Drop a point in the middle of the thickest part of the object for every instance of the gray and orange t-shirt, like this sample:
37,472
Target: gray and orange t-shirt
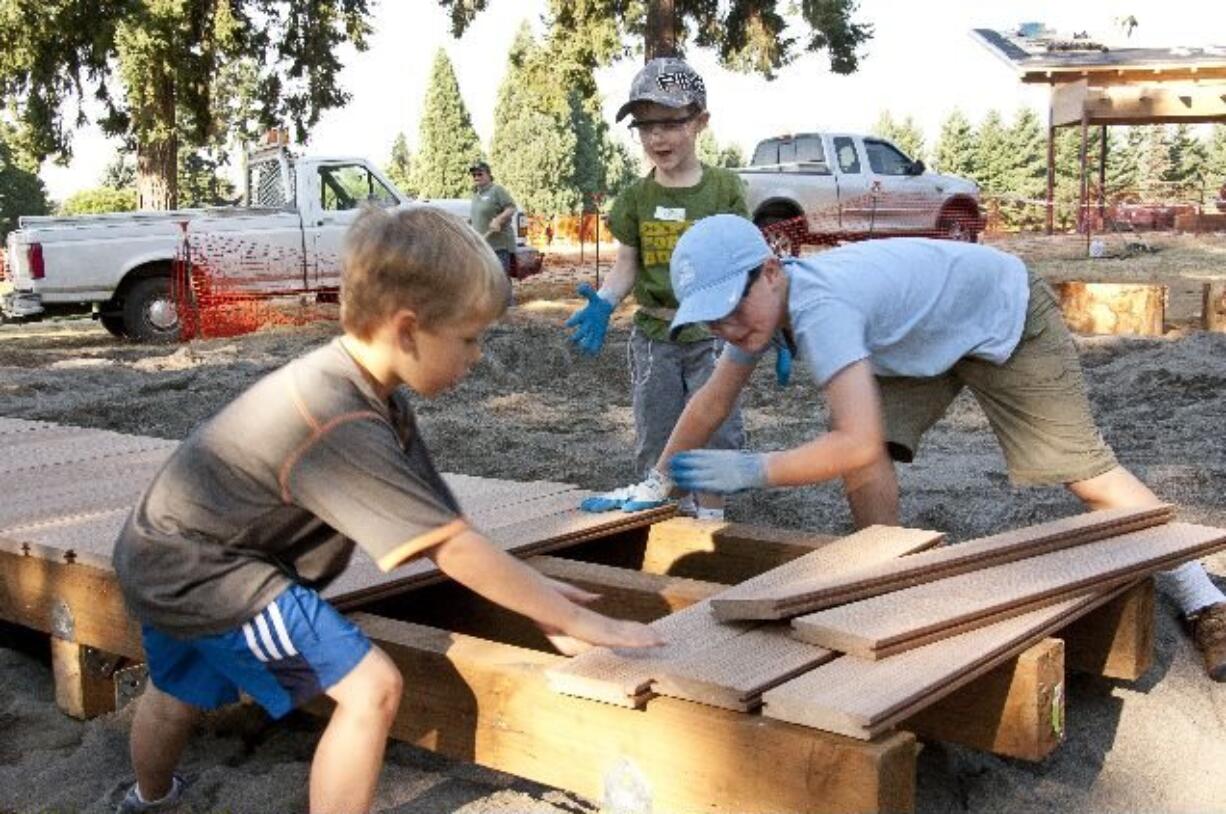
651,218
276,488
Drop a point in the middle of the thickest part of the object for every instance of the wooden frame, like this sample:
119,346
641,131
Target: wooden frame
476,691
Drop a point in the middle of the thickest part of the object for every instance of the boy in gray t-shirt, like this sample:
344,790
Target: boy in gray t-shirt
892,331
260,508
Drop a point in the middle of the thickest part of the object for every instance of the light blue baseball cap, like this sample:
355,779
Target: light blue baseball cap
710,267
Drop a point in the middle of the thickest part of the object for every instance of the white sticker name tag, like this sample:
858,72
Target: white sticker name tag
667,213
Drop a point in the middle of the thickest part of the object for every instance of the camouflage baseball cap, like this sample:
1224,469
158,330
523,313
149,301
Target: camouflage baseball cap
666,81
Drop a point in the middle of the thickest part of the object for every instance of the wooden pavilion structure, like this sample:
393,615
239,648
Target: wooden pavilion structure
1092,85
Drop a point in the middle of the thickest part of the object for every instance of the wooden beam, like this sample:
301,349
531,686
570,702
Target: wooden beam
1213,302
488,703
84,683
1116,640
76,602
1016,710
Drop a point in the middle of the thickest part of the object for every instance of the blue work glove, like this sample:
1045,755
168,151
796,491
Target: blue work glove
720,471
591,322
783,364
649,493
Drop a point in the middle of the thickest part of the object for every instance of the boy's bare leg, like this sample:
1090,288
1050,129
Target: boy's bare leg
347,761
1116,488
872,493
159,734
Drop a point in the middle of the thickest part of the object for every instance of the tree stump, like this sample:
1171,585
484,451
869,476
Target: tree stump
1113,308
1213,310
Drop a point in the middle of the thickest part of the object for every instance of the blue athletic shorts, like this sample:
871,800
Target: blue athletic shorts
291,652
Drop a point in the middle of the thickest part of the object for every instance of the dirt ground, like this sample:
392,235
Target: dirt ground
534,410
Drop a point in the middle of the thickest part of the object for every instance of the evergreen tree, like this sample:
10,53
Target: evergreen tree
201,181
21,190
1068,172
1123,164
447,144
120,173
992,159
906,134
955,150
1154,164
1188,157
1215,156
400,168
1027,170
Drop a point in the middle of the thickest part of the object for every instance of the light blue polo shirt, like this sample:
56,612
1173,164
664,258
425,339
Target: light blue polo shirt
910,306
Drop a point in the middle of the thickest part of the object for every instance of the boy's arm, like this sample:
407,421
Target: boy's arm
470,559
856,437
592,321
707,409
621,278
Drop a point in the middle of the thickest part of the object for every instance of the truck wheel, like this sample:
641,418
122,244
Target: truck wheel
149,312
114,325
779,240
958,225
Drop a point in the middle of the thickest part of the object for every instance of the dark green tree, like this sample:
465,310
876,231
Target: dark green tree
202,181
955,150
906,134
992,159
158,68
1027,172
1215,156
1154,163
1123,163
1188,158
400,168
748,35
21,190
447,144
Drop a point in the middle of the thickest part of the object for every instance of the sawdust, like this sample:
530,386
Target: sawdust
534,410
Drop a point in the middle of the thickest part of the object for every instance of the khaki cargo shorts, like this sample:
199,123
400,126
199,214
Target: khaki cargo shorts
1035,402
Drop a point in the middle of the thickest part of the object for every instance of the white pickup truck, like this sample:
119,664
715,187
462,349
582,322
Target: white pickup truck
286,239
849,186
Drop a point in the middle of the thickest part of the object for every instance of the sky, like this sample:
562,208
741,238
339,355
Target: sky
921,61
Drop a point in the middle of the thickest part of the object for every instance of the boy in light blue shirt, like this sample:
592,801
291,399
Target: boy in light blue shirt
892,331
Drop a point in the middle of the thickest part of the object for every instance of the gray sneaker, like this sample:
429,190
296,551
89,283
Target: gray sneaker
132,804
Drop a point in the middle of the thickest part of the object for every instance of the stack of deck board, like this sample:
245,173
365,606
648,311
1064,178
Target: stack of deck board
870,629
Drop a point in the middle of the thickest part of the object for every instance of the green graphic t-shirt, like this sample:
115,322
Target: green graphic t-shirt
651,218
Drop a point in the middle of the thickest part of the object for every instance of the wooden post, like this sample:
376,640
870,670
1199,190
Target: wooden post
1213,307
1113,308
84,687
1116,640
1051,170
1016,710
489,703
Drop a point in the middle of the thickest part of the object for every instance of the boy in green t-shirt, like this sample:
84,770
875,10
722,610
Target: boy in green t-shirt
668,108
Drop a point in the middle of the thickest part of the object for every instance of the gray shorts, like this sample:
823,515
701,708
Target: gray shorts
1035,402
663,376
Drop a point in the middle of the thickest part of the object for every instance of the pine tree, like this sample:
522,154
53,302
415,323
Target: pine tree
1068,172
1026,176
1154,163
992,158
1187,171
955,150
399,167
447,143
1215,156
1123,165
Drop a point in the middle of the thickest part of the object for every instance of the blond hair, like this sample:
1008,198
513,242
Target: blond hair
420,258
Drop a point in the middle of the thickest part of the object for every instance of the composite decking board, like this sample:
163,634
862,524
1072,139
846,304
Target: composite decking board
826,590
897,621
70,450
623,676
862,698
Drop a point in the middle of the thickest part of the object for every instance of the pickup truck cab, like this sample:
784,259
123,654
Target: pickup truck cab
285,240
849,186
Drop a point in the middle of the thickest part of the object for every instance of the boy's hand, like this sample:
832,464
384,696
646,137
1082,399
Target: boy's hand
600,631
591,323
719,471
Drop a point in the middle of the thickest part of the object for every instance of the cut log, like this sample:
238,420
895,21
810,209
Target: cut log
1213,308
1116,640
84,682
1113,308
